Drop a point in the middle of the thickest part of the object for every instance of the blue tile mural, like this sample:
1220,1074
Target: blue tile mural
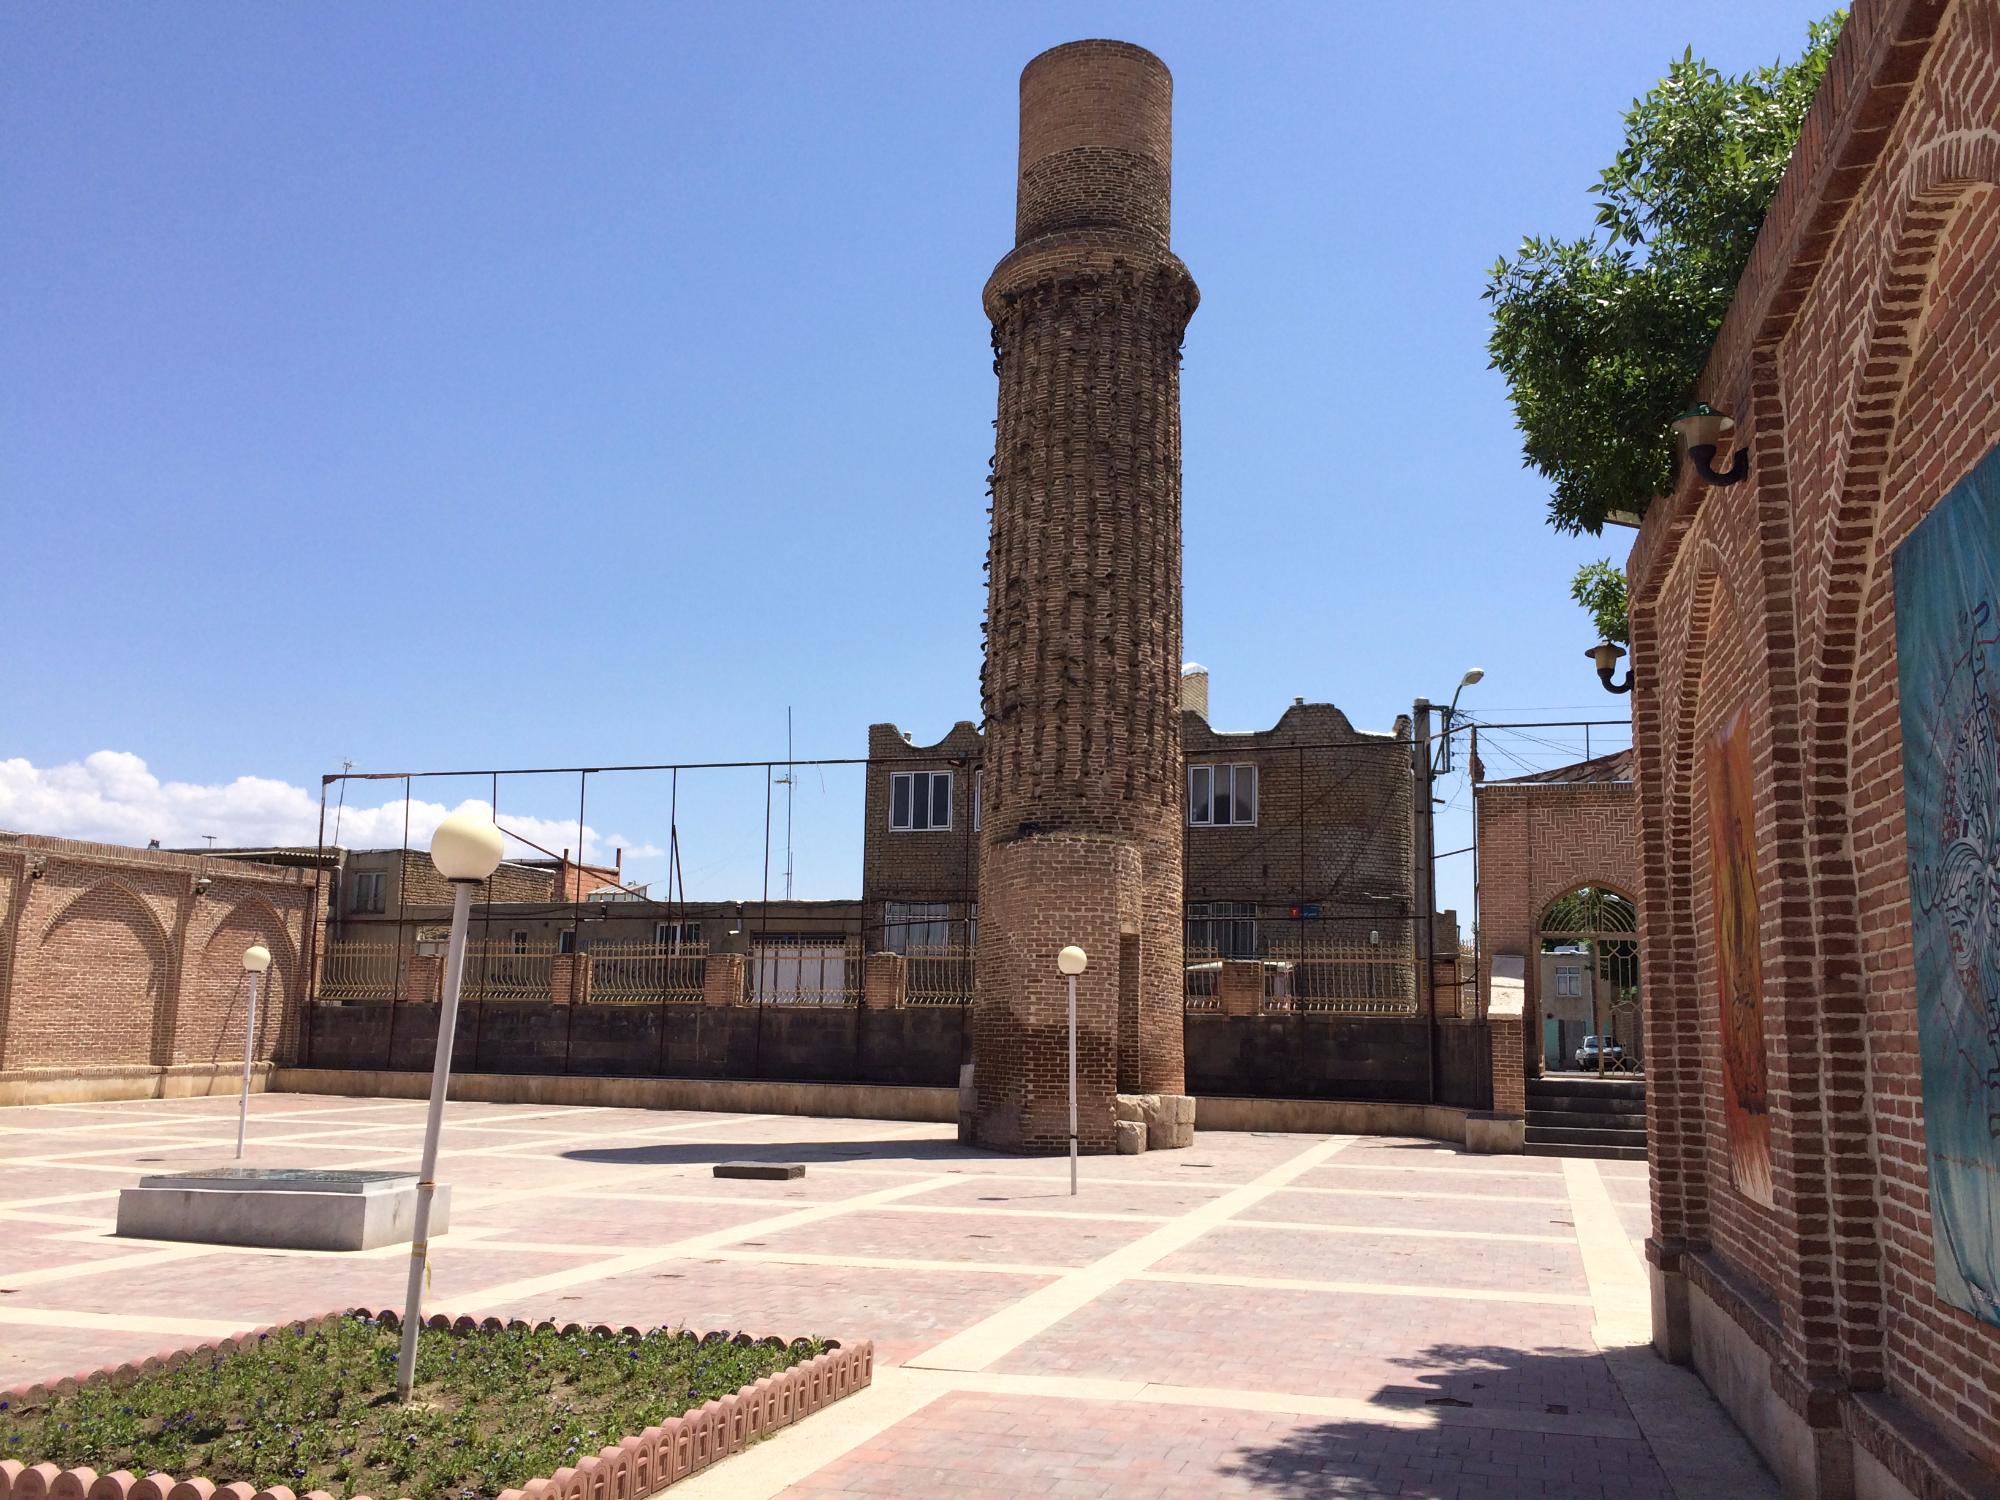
1947,575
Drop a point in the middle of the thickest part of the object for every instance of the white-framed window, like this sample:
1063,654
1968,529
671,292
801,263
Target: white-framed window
978,796
919,801
1569,980
565,941
1225,928
676,934
1222,795
915,924
371,891
518,940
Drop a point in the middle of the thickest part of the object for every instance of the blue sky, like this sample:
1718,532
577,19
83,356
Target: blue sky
521,384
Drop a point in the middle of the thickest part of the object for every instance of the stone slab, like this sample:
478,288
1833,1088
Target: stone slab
761,1171
1131,1137
334,1211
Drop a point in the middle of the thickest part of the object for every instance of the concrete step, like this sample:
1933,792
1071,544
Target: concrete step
1586,1107
1600,1153
1567,1119
1553,1136
1587,1086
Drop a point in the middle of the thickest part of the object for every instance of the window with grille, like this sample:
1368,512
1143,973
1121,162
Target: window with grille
676,934
1219,796
915,924
919,800
1227,929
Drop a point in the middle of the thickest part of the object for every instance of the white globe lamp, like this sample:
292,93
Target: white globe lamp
466,846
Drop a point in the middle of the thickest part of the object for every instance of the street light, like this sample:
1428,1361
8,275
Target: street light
1472,675
256,959
1607,654
1071,962
466,850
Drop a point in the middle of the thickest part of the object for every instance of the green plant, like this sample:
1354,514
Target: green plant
1602,339
1600,588
315,1408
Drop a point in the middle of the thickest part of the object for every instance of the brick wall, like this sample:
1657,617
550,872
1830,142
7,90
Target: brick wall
1334,825
924,865
1863,358
120,962
1538,841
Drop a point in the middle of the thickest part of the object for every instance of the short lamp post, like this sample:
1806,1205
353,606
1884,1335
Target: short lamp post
1071,962
466,850
256,959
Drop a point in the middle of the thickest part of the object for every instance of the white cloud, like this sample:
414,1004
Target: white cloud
111,797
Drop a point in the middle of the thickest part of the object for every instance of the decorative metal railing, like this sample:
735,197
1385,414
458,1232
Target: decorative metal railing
938,975
809,972
362,971
1346,978
647,973
497,970
1204,979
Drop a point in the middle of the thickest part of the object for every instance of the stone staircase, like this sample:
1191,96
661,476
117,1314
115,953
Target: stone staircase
1578,1114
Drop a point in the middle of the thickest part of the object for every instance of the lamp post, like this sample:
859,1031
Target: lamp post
1472,675
256,959
466,850
1071,962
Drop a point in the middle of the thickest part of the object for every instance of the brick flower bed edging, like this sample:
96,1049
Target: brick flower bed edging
640,1465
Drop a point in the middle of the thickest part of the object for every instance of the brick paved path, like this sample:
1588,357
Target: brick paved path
1276,1315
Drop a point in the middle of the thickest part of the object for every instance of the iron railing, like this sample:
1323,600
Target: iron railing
938,975
647,973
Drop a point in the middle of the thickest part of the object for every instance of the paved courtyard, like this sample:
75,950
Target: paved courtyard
1276,1315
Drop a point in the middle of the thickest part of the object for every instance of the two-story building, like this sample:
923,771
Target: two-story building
1301,838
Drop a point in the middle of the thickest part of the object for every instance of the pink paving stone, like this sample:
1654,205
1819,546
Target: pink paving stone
1394,1211
904,1312
1489,1265
964,1445
1094,1196
1403,1349
959,1237
1453,1183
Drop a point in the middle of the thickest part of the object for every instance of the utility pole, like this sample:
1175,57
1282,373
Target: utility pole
1424,869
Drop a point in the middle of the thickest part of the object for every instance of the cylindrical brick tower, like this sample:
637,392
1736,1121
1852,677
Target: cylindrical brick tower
1081,831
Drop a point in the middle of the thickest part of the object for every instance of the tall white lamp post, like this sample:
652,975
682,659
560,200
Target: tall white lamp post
1071,962
256,959
466,849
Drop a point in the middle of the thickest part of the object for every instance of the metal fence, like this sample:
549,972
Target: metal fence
362,971
939,976
495,969
647,973
1351,978
804,971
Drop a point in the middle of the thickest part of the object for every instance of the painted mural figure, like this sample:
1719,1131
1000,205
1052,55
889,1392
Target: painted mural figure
1947,576
1732,853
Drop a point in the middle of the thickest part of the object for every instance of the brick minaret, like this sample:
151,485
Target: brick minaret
1081,838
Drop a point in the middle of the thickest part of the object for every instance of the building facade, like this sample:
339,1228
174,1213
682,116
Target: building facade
1814,659
1558,885
1300,846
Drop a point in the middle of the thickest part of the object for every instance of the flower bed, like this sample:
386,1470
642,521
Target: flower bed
524,1412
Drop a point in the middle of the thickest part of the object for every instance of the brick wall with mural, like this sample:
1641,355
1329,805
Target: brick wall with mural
121,970
1798,1101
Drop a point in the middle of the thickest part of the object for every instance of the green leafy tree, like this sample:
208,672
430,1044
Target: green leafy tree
1602,339
1600,588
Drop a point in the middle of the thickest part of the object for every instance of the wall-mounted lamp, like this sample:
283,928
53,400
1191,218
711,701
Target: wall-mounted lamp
1701,431
1606,655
